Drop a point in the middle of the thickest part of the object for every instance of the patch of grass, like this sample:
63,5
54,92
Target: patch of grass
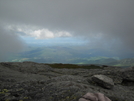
74,66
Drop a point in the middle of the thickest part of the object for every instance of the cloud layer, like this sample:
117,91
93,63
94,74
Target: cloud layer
105,23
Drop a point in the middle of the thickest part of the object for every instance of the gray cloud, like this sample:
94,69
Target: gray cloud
10,44
88,18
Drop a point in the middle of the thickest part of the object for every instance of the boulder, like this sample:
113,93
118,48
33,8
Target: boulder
103,81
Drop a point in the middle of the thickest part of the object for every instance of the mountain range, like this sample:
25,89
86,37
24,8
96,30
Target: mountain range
72,55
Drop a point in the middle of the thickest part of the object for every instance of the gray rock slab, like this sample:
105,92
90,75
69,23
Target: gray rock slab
103,81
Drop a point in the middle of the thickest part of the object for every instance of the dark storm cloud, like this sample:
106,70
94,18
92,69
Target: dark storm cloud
107,23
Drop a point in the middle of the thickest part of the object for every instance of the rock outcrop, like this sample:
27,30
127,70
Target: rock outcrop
31,81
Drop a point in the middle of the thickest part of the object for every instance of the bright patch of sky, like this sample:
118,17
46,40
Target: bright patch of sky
54,41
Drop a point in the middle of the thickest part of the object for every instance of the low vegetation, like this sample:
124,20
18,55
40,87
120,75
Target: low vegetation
74,66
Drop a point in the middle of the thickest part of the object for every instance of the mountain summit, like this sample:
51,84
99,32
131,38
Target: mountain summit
30,81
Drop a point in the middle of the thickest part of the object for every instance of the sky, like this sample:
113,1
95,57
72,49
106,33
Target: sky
104,24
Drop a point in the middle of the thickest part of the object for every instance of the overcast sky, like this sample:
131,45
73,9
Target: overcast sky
107,24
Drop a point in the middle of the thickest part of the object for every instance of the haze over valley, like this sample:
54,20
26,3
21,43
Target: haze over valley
75,32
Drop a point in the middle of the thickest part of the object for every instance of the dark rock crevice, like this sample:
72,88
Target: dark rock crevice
126,82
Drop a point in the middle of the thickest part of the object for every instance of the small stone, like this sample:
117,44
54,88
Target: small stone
103,81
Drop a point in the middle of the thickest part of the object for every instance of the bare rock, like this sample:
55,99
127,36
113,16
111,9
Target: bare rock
103,81
29,81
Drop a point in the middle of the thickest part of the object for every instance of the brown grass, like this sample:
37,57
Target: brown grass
74,66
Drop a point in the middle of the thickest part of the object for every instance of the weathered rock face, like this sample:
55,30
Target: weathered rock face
103,81
30,81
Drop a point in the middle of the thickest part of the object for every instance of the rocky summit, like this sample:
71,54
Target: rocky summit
29,81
